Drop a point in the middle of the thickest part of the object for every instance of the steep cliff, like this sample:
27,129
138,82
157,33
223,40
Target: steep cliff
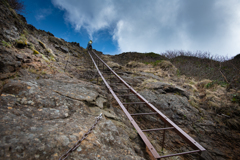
50,98
48,102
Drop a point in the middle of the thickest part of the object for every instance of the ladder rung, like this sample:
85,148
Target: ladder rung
138,114
134,103
157,129
121,89
177,154
171,125
124,95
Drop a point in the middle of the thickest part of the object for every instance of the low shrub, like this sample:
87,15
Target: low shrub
18,5
211,84
202,65
152,54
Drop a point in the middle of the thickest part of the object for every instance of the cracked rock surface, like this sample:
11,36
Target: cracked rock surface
42,119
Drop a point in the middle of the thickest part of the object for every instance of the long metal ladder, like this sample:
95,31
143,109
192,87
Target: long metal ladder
168,124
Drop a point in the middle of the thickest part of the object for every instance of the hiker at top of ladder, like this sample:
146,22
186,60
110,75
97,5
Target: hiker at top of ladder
89,46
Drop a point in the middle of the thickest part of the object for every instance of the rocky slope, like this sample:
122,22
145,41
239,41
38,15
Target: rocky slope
44,109
50,98
205,113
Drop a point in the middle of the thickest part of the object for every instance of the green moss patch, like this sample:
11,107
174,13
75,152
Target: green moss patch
31,46
51,58
42,44
21,42
35,52
45,58
6,44
236,98
155,63
50,52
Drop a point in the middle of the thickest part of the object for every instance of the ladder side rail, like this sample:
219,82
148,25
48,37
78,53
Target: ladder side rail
142,135
179,131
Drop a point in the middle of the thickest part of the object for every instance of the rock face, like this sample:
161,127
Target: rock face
163,88
42,119
49,100
45,110
8,62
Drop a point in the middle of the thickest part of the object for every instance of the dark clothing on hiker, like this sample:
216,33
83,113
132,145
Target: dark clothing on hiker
89,46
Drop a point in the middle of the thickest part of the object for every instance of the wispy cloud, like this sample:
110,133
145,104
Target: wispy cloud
43,13
160,25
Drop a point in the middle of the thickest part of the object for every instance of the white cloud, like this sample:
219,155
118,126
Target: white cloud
43,13
90,15
160,25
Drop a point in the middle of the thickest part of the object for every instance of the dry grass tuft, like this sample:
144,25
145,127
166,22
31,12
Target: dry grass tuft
114,65
203,83
134,64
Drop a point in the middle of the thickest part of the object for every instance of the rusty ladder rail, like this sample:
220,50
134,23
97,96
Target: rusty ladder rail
172,126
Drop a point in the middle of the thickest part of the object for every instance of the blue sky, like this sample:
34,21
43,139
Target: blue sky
142,26
43,15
